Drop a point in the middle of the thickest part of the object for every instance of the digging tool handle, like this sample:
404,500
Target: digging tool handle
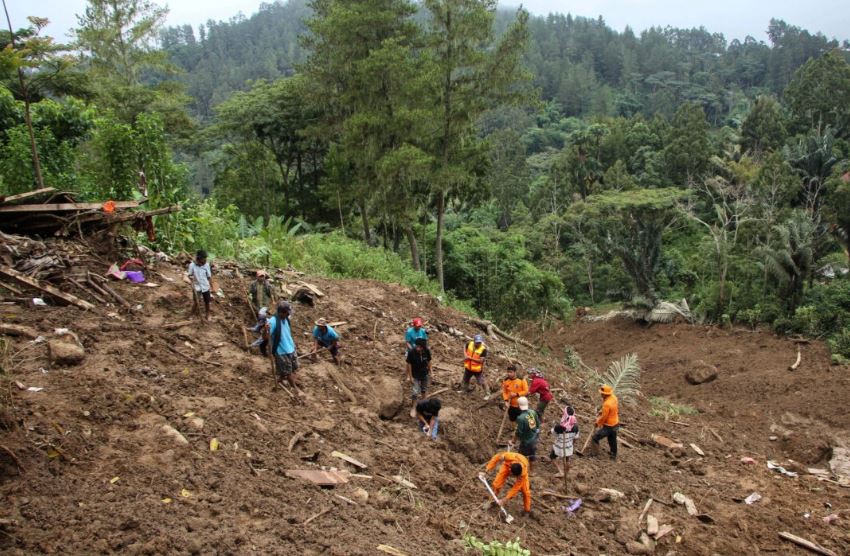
502,426
505,513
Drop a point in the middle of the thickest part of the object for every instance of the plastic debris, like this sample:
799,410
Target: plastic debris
573,507
778,468
39,302
752,498
35,389
166,500
830,518
214,444
114,480
185,493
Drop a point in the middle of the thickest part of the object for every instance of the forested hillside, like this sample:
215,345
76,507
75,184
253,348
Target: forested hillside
524,164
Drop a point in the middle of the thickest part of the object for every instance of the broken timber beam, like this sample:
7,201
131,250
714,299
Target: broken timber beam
12,274
490,327
67,207
28,195
800,541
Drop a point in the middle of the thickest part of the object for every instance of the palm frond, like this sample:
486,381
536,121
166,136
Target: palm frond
624,377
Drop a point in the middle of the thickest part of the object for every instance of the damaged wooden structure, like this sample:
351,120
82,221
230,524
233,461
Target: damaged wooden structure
36,262
47,212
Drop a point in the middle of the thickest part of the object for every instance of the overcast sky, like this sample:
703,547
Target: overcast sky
733,18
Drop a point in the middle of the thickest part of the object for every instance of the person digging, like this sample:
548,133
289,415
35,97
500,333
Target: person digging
513,388
527,431
608,421
539,386
325,338
513,465
418,371
473,365
283,346
428,415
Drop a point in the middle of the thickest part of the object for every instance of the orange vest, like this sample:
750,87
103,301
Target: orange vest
474,362
610,414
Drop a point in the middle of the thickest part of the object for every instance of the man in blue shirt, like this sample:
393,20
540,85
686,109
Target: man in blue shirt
326,337
283,346
413,333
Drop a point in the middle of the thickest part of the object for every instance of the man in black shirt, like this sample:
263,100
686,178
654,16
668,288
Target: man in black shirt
418,371
427,411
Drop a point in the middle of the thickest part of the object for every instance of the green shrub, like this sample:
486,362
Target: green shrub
839,344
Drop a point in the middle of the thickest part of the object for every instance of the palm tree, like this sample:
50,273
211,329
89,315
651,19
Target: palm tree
791,257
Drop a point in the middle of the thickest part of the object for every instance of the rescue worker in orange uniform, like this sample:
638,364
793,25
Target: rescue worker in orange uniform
473,364
512,464
608,421
513,389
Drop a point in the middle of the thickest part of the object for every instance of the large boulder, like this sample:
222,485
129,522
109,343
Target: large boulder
388,398
65,353
701,373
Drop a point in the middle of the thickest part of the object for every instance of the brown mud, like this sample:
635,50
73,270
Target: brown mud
93,471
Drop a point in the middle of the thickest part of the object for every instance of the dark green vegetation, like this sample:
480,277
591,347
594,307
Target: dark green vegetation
526,164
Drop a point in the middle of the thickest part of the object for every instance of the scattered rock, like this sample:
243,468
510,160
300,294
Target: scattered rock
174,434
840,464
651,525
361,495
196,423
701,373
65,353
634,547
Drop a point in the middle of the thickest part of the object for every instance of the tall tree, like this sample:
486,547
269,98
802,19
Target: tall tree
819,94
118,41
470,75
361,67
31,67
763,129
688,149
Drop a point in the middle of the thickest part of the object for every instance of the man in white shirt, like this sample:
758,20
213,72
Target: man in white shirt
199,275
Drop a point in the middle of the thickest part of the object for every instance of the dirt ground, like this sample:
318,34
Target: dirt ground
85,466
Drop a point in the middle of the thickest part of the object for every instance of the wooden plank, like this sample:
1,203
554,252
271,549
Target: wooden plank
321,478
697,449
336,378
349,459
66,207
390,550
13,274
27,195
800,541
175,325
312,288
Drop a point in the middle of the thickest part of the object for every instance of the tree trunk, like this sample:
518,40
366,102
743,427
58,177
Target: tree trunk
364,215
414,247
36,163
339,206
396,238
438,247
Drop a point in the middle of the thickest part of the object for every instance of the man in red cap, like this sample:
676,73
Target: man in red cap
413,333
608,420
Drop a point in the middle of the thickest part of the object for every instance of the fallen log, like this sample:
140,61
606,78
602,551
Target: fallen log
111,292
800,541
440,391
175,325
316,516
17,330
13,274
351,397
297,437
492,328
348,459
797,362
24,196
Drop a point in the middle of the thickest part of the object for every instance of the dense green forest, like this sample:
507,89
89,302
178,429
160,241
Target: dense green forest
524,165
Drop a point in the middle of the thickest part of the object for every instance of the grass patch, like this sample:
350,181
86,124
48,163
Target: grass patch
664,408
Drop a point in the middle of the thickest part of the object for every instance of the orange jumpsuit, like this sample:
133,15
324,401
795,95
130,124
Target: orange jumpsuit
516,386
522,484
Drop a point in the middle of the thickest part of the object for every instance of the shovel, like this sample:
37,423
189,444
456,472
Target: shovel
508,517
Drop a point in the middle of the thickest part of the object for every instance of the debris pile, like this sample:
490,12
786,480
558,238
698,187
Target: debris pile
50,212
